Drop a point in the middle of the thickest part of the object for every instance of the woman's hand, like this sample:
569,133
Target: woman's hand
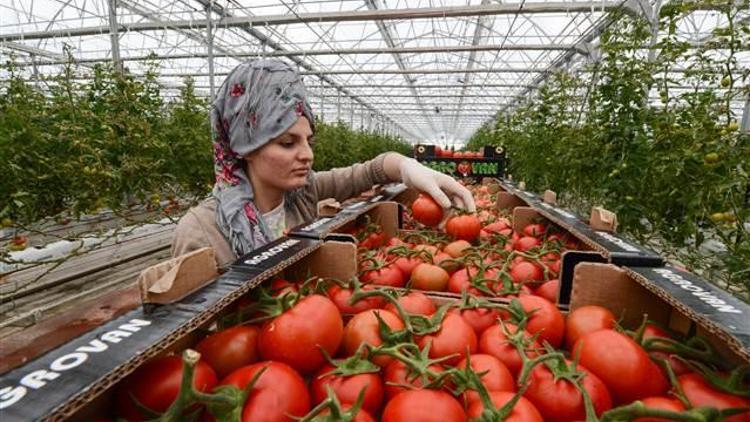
439,186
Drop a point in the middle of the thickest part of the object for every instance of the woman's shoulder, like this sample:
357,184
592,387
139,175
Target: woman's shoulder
198,228
200,217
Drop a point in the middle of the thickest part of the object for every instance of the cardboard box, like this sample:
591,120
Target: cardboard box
77,376
597,232
676,299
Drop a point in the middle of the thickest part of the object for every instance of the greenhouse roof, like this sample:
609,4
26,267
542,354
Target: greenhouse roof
429,70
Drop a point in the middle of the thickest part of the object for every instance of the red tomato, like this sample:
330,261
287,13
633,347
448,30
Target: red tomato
534,230
280,286
364,328
560,400
480,319
700,393
552,262
414,303
296,336
456,248
678,366
653,330
523,411
494,342
586,319
501,225
426,210
278,395
465,227
230,349
397,376
341,296
617,360
455,337
526,243
156,385
661,403
407,265
549,290
657,383
429,277
428,249
347,389
496,376
424,406
389,276
526,272
546,319
373,240
460,280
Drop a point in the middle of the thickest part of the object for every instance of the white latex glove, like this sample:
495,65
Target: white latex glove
439,186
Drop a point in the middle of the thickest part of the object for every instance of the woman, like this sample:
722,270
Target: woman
263,164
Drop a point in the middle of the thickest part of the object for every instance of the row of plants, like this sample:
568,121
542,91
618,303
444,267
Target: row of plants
72,146
676,170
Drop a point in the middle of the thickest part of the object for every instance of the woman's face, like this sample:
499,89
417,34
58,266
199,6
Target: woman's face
285,162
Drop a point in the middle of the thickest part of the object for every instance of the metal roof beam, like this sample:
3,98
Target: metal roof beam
385,72
336,51
446,96
337,16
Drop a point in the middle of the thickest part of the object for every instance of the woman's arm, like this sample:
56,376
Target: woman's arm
393,167
346,182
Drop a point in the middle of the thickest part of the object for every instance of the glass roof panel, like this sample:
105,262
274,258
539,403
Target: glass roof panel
429,75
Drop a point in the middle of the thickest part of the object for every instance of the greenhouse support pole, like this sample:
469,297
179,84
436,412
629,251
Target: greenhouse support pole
745,125
113,37
338,105
210,50
35,69
351,113
322,113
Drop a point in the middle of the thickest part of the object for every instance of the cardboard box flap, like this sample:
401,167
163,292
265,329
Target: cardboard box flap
570,259
523,216
344,254
507,200
610,286
549,197
328,207
714,310
172,280
602,219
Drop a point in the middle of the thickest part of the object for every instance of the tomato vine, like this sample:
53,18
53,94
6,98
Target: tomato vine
675,169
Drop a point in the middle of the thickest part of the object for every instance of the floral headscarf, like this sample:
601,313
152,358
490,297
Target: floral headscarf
258,101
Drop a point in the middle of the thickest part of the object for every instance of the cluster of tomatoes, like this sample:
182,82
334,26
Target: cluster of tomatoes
441,152
383,346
